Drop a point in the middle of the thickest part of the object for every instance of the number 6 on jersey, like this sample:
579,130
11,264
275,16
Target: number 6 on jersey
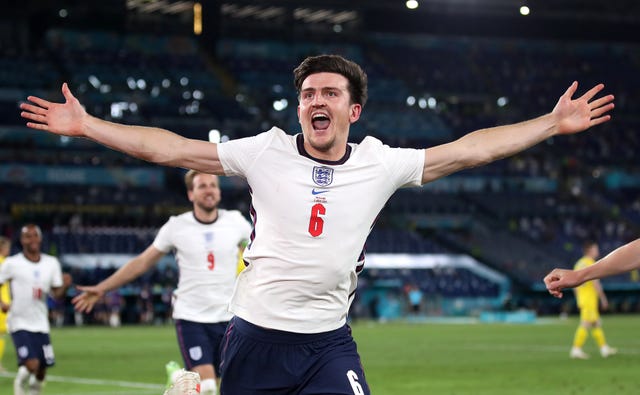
316,223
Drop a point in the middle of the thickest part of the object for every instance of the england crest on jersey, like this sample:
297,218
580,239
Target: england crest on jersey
322,176
208,239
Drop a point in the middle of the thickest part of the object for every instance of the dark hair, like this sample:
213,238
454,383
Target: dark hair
25,228
588,243
334,64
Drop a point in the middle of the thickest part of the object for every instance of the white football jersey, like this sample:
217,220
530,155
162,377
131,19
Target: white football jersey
30,285
311,220
207,256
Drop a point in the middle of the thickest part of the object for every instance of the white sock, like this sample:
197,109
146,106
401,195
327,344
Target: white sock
21,380
208,387
35,386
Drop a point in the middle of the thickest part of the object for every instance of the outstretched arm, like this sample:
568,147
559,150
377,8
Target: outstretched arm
60,292
487,145
621,260
131,270
147,143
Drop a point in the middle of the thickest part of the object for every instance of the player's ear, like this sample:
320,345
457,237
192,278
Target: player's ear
354,112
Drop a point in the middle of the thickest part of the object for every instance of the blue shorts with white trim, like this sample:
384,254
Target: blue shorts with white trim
200,343
33,345
263,361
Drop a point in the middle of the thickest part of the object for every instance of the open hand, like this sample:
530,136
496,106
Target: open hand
576,115
85,301
58,118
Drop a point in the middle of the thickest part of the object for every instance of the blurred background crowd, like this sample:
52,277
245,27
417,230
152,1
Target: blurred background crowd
434,75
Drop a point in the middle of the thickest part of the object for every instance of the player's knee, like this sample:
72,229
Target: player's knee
32,365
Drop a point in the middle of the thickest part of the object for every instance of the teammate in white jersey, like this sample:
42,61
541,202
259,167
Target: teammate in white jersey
206,244
31,275
315,198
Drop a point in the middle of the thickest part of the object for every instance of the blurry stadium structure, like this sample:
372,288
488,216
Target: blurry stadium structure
435,74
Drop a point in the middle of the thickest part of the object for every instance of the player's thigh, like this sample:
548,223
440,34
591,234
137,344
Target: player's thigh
589,313
251,367
195,344
342,375
216,332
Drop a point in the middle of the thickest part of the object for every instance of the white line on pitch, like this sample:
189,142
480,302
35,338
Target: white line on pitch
80,380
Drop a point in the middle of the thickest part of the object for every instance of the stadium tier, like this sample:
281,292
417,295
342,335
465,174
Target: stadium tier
519,216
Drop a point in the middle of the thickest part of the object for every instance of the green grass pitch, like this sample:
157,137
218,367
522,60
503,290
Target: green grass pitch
399,359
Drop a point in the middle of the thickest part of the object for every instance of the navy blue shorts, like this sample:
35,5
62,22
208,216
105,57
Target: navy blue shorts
33,345
200,343
263,361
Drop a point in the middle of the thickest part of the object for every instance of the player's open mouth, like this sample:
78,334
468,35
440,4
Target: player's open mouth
320,122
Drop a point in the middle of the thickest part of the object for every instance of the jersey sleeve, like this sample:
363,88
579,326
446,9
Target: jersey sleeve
5,274
238,156
56,276
405,165
163,239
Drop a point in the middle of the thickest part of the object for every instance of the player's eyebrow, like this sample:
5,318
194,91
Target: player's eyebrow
324,88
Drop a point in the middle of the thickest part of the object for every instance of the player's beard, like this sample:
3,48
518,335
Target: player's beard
323,146
322,141
207,208
32,250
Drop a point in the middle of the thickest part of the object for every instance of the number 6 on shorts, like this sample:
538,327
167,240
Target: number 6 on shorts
353,380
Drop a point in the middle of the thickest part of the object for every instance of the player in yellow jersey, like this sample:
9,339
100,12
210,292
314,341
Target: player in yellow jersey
623,259
587,297
5,248
240,265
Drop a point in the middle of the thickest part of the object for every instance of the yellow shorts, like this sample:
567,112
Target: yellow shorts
589,313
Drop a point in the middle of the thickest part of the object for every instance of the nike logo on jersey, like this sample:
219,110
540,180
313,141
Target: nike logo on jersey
314,192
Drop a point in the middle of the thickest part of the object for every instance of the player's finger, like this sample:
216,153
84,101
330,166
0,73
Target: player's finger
66,92
79,297
571,89
38,126
34,117
41,102
598,121
557,294
588,95
83,306
602,101
597,112
549,278
33,109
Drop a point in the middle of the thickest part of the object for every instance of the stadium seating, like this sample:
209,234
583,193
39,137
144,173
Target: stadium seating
521,216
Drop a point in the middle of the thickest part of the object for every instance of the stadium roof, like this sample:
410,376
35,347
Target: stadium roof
579,19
